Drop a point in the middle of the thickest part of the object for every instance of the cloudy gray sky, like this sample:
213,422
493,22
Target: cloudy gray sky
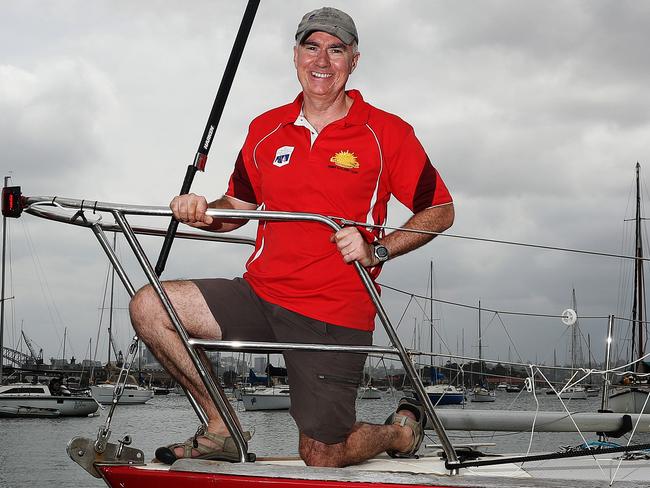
535,113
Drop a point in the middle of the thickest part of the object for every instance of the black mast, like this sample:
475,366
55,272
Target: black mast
639,283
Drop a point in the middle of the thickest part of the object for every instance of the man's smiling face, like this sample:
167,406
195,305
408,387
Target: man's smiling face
324,63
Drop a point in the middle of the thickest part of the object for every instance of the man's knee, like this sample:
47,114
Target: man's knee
141,306
315,453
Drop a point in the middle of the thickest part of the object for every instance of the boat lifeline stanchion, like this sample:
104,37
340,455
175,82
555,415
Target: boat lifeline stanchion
201,157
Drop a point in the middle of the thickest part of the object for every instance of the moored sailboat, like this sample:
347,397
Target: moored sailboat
38,400
633,395
133,394
480,393
270,398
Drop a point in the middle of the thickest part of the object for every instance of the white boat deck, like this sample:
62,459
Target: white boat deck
430,471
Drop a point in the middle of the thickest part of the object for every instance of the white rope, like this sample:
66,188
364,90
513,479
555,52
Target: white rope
572,420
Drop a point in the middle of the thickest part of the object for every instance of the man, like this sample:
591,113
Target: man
328,152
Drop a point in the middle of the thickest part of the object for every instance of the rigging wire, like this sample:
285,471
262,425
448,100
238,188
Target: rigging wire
355,223
618,370
624,302
403,313
437,332
566,409
102,310
473,307
497,315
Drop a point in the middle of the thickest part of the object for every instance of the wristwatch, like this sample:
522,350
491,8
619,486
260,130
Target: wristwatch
380,252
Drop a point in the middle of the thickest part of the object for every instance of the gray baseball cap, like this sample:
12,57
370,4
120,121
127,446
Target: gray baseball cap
330,20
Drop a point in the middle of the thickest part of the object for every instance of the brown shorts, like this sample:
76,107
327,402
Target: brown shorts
323,384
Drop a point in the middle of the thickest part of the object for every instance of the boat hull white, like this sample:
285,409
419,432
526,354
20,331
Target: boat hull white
482,397
51,406
131,396
629,400
267,399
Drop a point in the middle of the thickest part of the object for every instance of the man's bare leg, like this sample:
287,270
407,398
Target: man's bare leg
153,326
363,443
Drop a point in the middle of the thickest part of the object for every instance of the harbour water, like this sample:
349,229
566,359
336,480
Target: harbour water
32,451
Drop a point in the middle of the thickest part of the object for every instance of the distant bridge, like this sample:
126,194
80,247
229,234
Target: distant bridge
16,357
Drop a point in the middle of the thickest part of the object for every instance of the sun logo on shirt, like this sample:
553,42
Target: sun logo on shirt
345,160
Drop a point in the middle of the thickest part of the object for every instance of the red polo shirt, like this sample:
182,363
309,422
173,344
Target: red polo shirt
350,171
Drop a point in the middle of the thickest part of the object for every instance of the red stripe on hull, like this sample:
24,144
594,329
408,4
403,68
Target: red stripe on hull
130,477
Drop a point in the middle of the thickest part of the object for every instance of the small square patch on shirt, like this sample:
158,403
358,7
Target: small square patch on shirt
283,156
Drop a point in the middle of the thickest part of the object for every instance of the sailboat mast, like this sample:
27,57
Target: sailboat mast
480,345
431,315
574,333
65,337
110,312
639,285
509,366
2,298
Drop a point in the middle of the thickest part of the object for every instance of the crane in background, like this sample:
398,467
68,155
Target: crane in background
36,358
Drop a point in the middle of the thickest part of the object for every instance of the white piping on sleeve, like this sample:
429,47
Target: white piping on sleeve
240,200
439,205
260,142
373,200
258,253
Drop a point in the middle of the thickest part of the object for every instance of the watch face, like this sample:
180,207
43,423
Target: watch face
381,252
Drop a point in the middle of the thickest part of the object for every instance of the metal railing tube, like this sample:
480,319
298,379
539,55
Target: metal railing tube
217,396
252,346
119,210
42,211
112,257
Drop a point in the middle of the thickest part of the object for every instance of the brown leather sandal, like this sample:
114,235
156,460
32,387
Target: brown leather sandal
224,448
417,425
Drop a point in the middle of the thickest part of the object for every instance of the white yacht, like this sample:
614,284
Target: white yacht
271,398
133,394
480,394
37,400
